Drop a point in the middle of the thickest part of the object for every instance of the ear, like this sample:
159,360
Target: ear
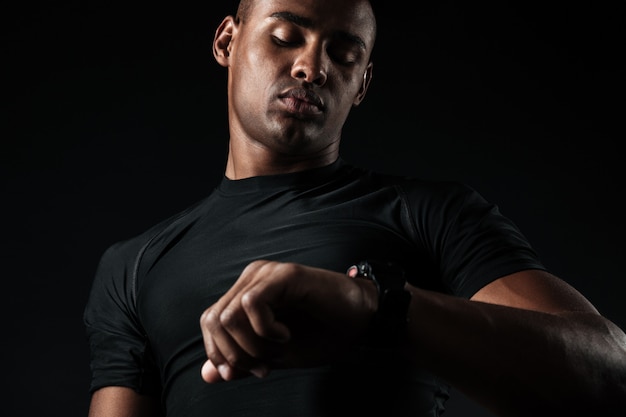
367,78
223,40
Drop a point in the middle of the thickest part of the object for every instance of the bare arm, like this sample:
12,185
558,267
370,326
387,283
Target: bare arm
123,402
526,345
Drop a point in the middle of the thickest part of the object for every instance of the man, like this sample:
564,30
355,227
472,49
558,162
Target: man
283,293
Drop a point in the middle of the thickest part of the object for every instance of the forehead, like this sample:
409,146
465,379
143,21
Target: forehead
354,17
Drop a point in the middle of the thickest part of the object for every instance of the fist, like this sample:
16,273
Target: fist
280,315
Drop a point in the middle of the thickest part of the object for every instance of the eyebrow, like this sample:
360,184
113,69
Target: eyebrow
308,23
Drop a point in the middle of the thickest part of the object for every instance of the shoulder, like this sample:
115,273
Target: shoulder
425,191
116,279
129,250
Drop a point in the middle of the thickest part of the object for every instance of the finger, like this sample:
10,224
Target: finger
253,348
244,280
211,319
228,340
210,373
265,280
262,318
209,331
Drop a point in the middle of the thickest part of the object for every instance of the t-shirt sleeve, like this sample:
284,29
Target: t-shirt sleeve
120,353
469,240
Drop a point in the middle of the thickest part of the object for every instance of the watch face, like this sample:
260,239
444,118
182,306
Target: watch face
362,269
355,272
386,275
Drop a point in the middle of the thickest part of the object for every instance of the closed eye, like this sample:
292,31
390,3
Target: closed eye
283,42
345,60
344,56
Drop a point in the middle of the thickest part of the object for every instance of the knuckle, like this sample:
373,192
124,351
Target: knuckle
254,266
228,318
208,318
250,299
285,271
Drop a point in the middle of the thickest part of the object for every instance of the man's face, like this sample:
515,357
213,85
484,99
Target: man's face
296,68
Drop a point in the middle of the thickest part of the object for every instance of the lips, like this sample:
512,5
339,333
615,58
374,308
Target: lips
300,101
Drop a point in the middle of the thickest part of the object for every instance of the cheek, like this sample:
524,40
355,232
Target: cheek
345,100
246,76
256,71
256,59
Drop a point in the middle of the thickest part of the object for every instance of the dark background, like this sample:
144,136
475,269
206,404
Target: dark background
114,117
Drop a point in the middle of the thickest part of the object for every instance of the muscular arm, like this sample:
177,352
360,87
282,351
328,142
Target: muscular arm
526,345
122,402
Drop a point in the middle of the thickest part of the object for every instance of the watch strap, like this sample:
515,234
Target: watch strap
388,325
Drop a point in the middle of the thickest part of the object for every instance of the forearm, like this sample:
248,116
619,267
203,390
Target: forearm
123,402
520,362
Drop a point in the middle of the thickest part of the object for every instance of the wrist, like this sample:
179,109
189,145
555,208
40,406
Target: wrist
369,297
391,301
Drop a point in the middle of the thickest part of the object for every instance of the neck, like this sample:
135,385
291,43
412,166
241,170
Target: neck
240,165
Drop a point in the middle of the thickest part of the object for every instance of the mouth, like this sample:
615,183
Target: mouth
301,102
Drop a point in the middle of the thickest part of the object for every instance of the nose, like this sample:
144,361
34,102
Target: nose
310,65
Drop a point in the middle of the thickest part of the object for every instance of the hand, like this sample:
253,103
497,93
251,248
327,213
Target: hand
280,315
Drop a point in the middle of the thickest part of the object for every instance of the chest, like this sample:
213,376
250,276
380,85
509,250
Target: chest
185,273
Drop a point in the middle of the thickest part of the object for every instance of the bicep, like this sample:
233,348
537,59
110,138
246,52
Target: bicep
534,290
123,402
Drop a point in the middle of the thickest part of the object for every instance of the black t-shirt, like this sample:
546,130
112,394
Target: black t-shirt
142,317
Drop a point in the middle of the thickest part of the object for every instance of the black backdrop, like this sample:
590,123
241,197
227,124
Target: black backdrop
114,117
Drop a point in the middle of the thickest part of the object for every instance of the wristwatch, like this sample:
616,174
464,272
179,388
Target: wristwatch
388,325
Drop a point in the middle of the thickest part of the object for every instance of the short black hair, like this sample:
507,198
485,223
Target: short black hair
243,9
